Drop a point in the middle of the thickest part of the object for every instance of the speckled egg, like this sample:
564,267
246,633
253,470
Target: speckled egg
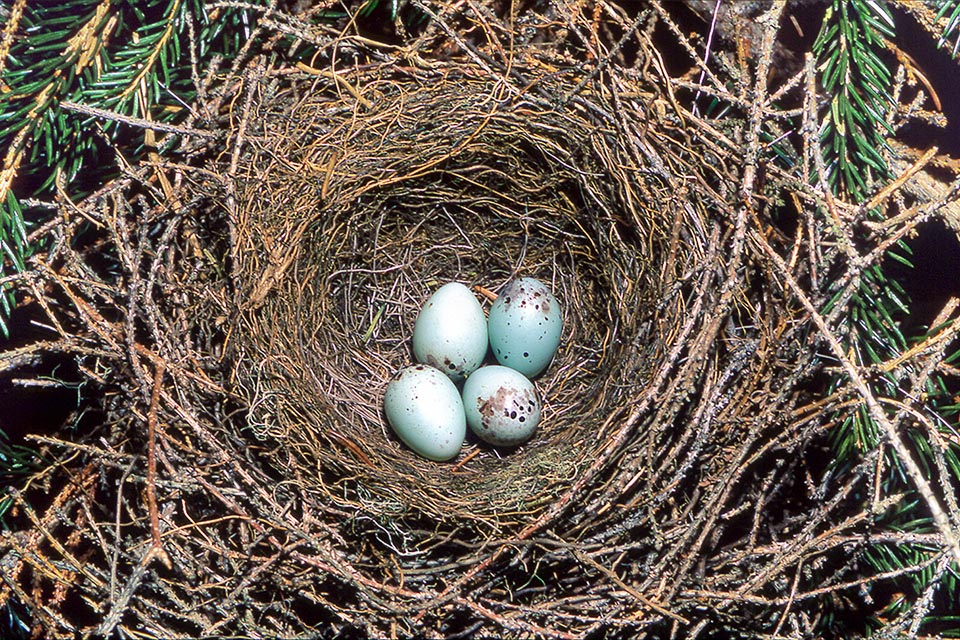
524,326
451,332
501,405
425,410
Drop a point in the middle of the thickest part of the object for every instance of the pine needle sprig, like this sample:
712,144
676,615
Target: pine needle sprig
123,57
854,124
950,12
857,82
14,250
853,73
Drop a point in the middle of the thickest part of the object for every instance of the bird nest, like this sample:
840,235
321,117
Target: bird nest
345,232
241,316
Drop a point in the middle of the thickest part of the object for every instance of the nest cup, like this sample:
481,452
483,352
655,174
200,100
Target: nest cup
349,218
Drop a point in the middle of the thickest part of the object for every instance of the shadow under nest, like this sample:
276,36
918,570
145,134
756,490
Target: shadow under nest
285,501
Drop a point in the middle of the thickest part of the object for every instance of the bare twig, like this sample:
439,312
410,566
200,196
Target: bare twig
157,547
137,122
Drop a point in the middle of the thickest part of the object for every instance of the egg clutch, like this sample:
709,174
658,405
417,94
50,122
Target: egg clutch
451,339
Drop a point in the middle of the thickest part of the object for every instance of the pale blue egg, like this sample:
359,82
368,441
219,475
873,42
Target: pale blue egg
425,410
501,404
451,332
524,326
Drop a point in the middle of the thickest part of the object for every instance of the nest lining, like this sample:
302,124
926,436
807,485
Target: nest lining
367,225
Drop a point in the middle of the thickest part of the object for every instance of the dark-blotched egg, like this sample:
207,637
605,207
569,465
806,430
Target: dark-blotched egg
502,406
